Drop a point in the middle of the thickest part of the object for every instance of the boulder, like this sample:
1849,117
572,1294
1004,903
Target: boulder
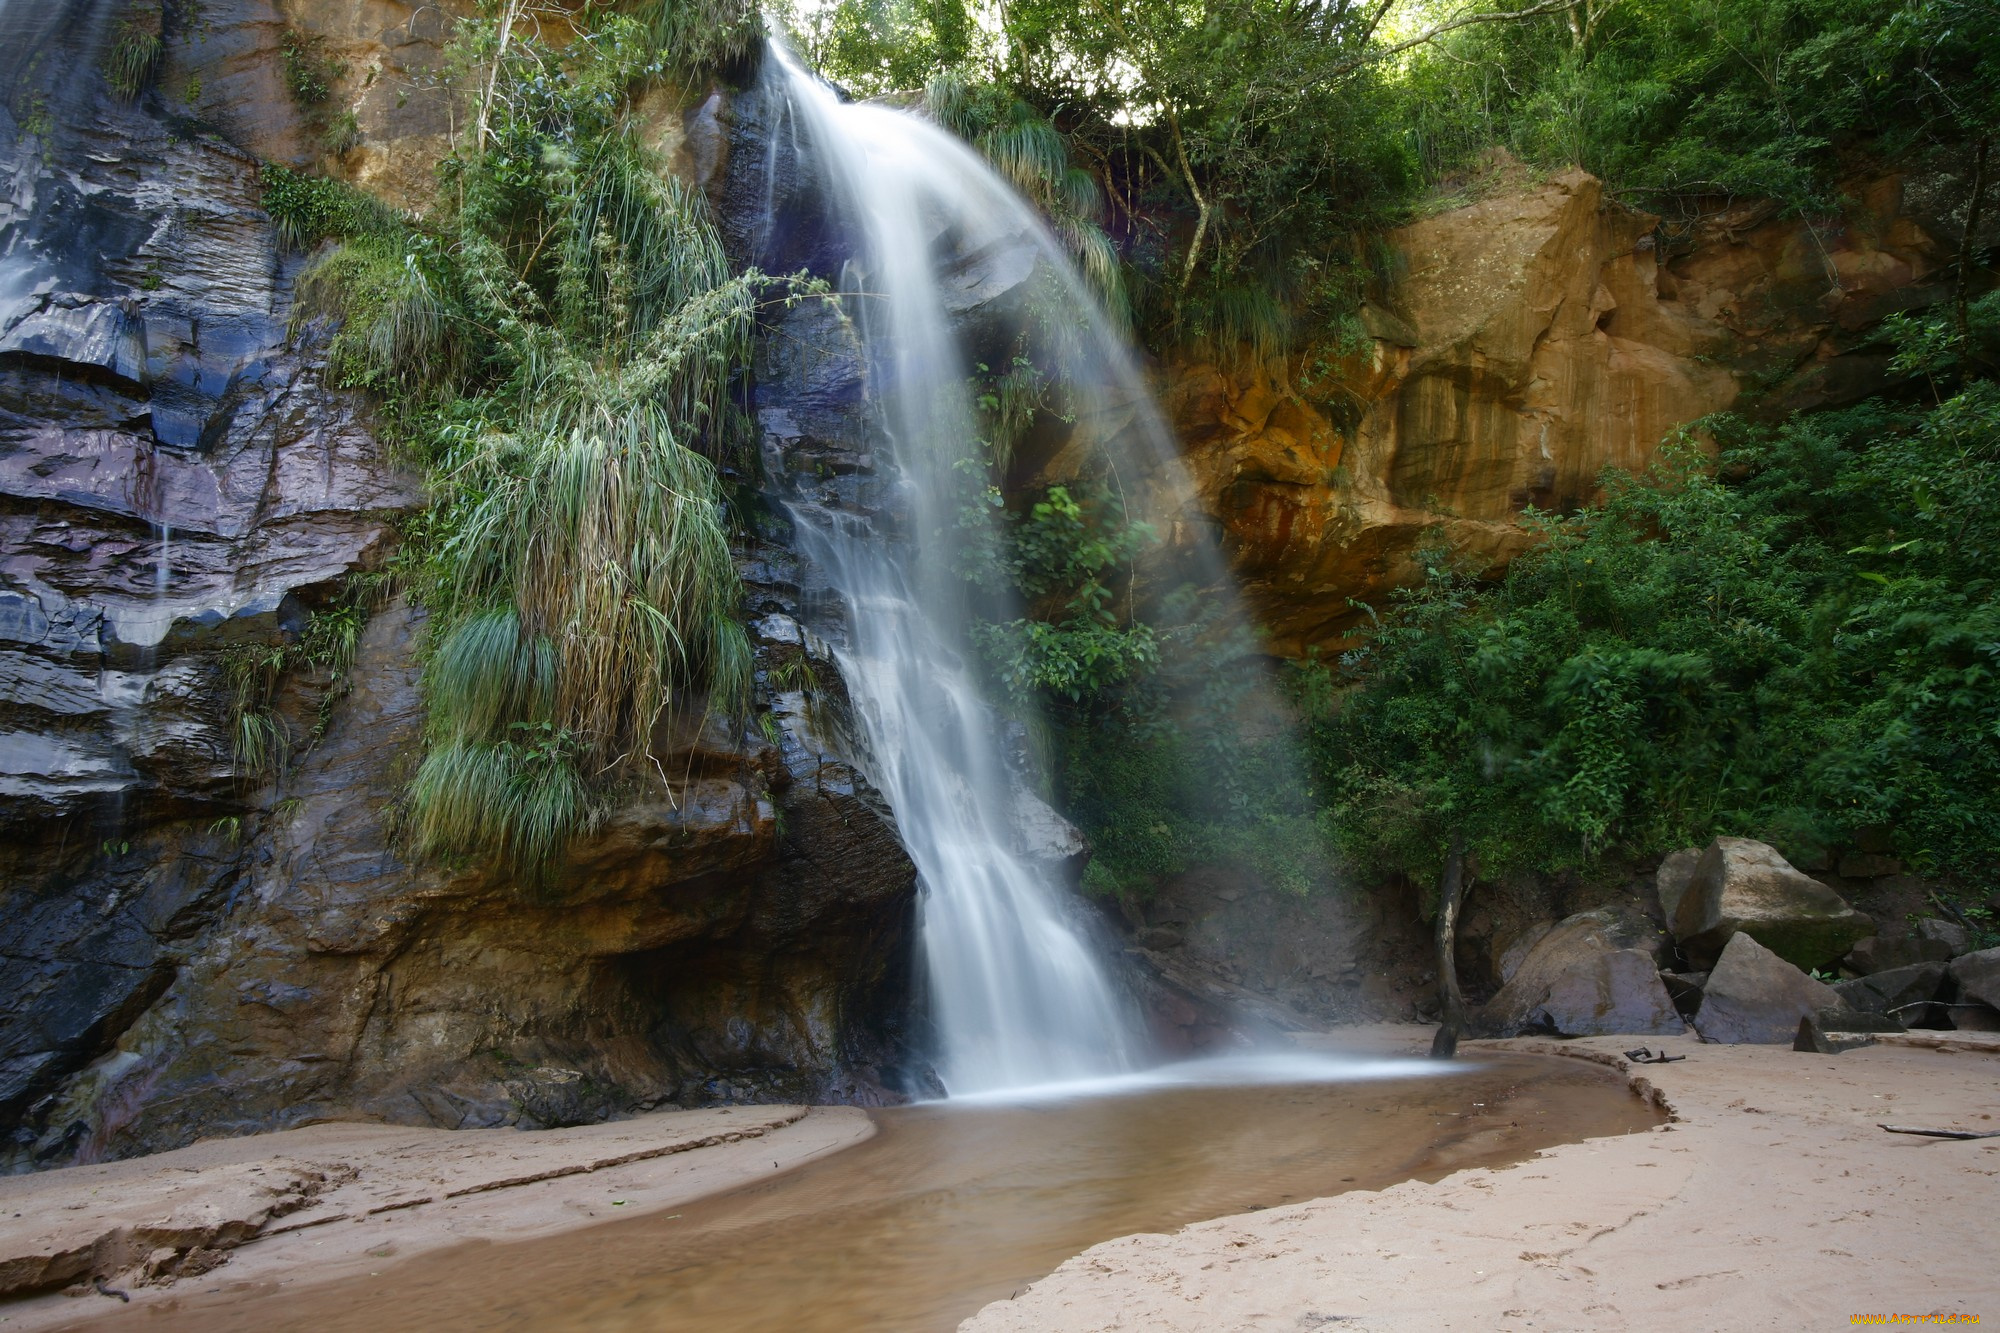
1832,1031
1755,997
1949,936
1893,991
1743,885
1848,1020
1520,947
1881,953
1570,981
1671,881
1606,994
1044,836
1977,976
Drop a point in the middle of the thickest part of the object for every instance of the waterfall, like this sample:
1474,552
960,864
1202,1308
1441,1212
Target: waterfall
1018,994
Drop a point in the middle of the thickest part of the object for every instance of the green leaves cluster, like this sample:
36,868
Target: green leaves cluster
1066,553
310,72
1676,104
135,51
558,344
308,209
1244,151
1803,646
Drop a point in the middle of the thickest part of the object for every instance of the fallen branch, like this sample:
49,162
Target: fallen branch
1642,1056
1944,1133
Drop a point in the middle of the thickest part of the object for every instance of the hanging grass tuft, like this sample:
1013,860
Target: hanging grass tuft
133,57
698,35
583,579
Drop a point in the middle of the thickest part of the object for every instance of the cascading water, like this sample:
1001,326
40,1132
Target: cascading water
1018,994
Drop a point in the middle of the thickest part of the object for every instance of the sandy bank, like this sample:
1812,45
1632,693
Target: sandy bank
255,1215
1773,1201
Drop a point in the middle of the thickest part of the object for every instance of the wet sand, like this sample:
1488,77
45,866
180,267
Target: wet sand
273,1211
1774,1201
949,1207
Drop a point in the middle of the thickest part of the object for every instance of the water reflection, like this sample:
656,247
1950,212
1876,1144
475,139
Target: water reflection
953,1204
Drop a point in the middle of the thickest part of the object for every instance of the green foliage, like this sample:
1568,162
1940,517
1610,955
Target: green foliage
1743,98
1243,150
261,741
400,331
558,346
135,54
1067,554
876,46
1183,767
308,209
310,72
1800,650
699,35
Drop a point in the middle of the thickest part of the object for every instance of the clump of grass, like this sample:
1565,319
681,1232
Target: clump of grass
699,35
310,72
341,133
399,323
308,209
586,578
557,344
261,742
135,55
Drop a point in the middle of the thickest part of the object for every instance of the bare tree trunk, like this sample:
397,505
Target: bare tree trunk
1451,1003
507,12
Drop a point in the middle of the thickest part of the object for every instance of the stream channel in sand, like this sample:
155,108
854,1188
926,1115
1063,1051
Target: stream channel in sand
952,1205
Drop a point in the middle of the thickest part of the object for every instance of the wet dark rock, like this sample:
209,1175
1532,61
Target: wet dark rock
1897,991
1949,936
1977,976
1739,884
196,951
1882,953
1684,988
1755,997
692,950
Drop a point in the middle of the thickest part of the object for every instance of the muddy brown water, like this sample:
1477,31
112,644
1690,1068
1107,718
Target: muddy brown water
949,1207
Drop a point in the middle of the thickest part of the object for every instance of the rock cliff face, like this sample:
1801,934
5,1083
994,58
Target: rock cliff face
191,949
194,949
1521,345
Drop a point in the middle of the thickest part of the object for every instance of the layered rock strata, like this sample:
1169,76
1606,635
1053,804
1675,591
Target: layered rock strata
199,945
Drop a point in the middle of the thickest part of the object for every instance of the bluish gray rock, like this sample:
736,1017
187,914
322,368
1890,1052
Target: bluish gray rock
1755,997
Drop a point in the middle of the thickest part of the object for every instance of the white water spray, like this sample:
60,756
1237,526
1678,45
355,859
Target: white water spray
1018,995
